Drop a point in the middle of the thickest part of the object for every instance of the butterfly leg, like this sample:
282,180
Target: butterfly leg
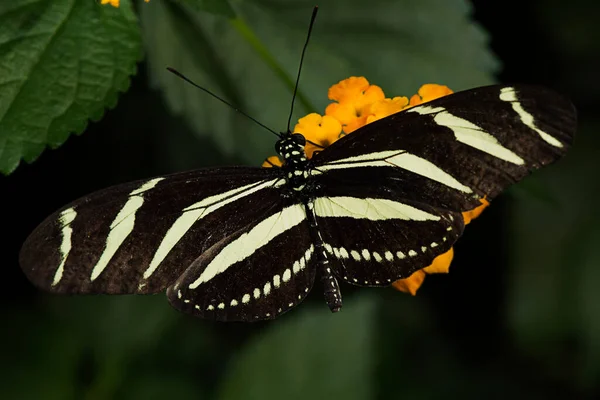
331,288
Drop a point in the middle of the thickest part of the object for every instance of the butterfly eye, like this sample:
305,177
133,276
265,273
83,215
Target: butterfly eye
298,138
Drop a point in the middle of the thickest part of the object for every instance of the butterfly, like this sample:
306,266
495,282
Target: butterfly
248,243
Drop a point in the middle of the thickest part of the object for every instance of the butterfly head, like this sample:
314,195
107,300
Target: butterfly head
291,148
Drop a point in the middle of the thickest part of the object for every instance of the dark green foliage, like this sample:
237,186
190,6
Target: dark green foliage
517,317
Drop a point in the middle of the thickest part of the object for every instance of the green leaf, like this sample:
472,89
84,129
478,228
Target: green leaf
252,60
62,62
309,354
217,7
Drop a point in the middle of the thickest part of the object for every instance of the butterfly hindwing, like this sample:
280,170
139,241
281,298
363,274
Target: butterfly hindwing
375,241
257,273
140,236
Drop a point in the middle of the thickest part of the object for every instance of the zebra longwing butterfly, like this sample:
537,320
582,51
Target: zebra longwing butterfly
245,243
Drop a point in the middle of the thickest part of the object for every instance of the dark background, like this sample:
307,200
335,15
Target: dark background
509,321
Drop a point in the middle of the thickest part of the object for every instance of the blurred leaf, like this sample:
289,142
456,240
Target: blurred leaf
115,330
309,354
252,60
553,303
163,385
40,358
61,63
217,7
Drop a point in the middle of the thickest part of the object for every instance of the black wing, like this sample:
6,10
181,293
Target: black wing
440,159
463,146
257,273
139,237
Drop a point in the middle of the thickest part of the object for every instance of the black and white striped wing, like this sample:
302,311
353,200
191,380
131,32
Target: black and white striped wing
466,145
390,194
140,237
257,273
376,241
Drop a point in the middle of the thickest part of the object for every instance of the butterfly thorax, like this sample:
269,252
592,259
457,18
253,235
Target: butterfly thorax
295,164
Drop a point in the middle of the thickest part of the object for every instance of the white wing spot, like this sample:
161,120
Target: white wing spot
434,244
287,275
267,288
389,256
256,293
377,257
355,255
302,262
366,255
400,255
296,266
246,298
276,281
336,252
210,307
221,306
233,303
344,252
423,249
412,253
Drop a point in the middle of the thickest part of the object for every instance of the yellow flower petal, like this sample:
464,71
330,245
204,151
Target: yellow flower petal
354,98
428,92
114,3
322,130
386,107
474,213
441,264
410,284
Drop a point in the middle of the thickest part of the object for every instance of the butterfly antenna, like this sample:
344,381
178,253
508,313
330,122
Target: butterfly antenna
312,21
179,74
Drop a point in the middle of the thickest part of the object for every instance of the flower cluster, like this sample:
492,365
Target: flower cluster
114,3
356,103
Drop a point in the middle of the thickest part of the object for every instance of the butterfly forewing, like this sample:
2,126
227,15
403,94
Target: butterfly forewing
485,139
139,237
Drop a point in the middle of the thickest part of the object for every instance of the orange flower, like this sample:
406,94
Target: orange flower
474,213
386,107
440,265
322,130
114,3
357,103
428,92
354,98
